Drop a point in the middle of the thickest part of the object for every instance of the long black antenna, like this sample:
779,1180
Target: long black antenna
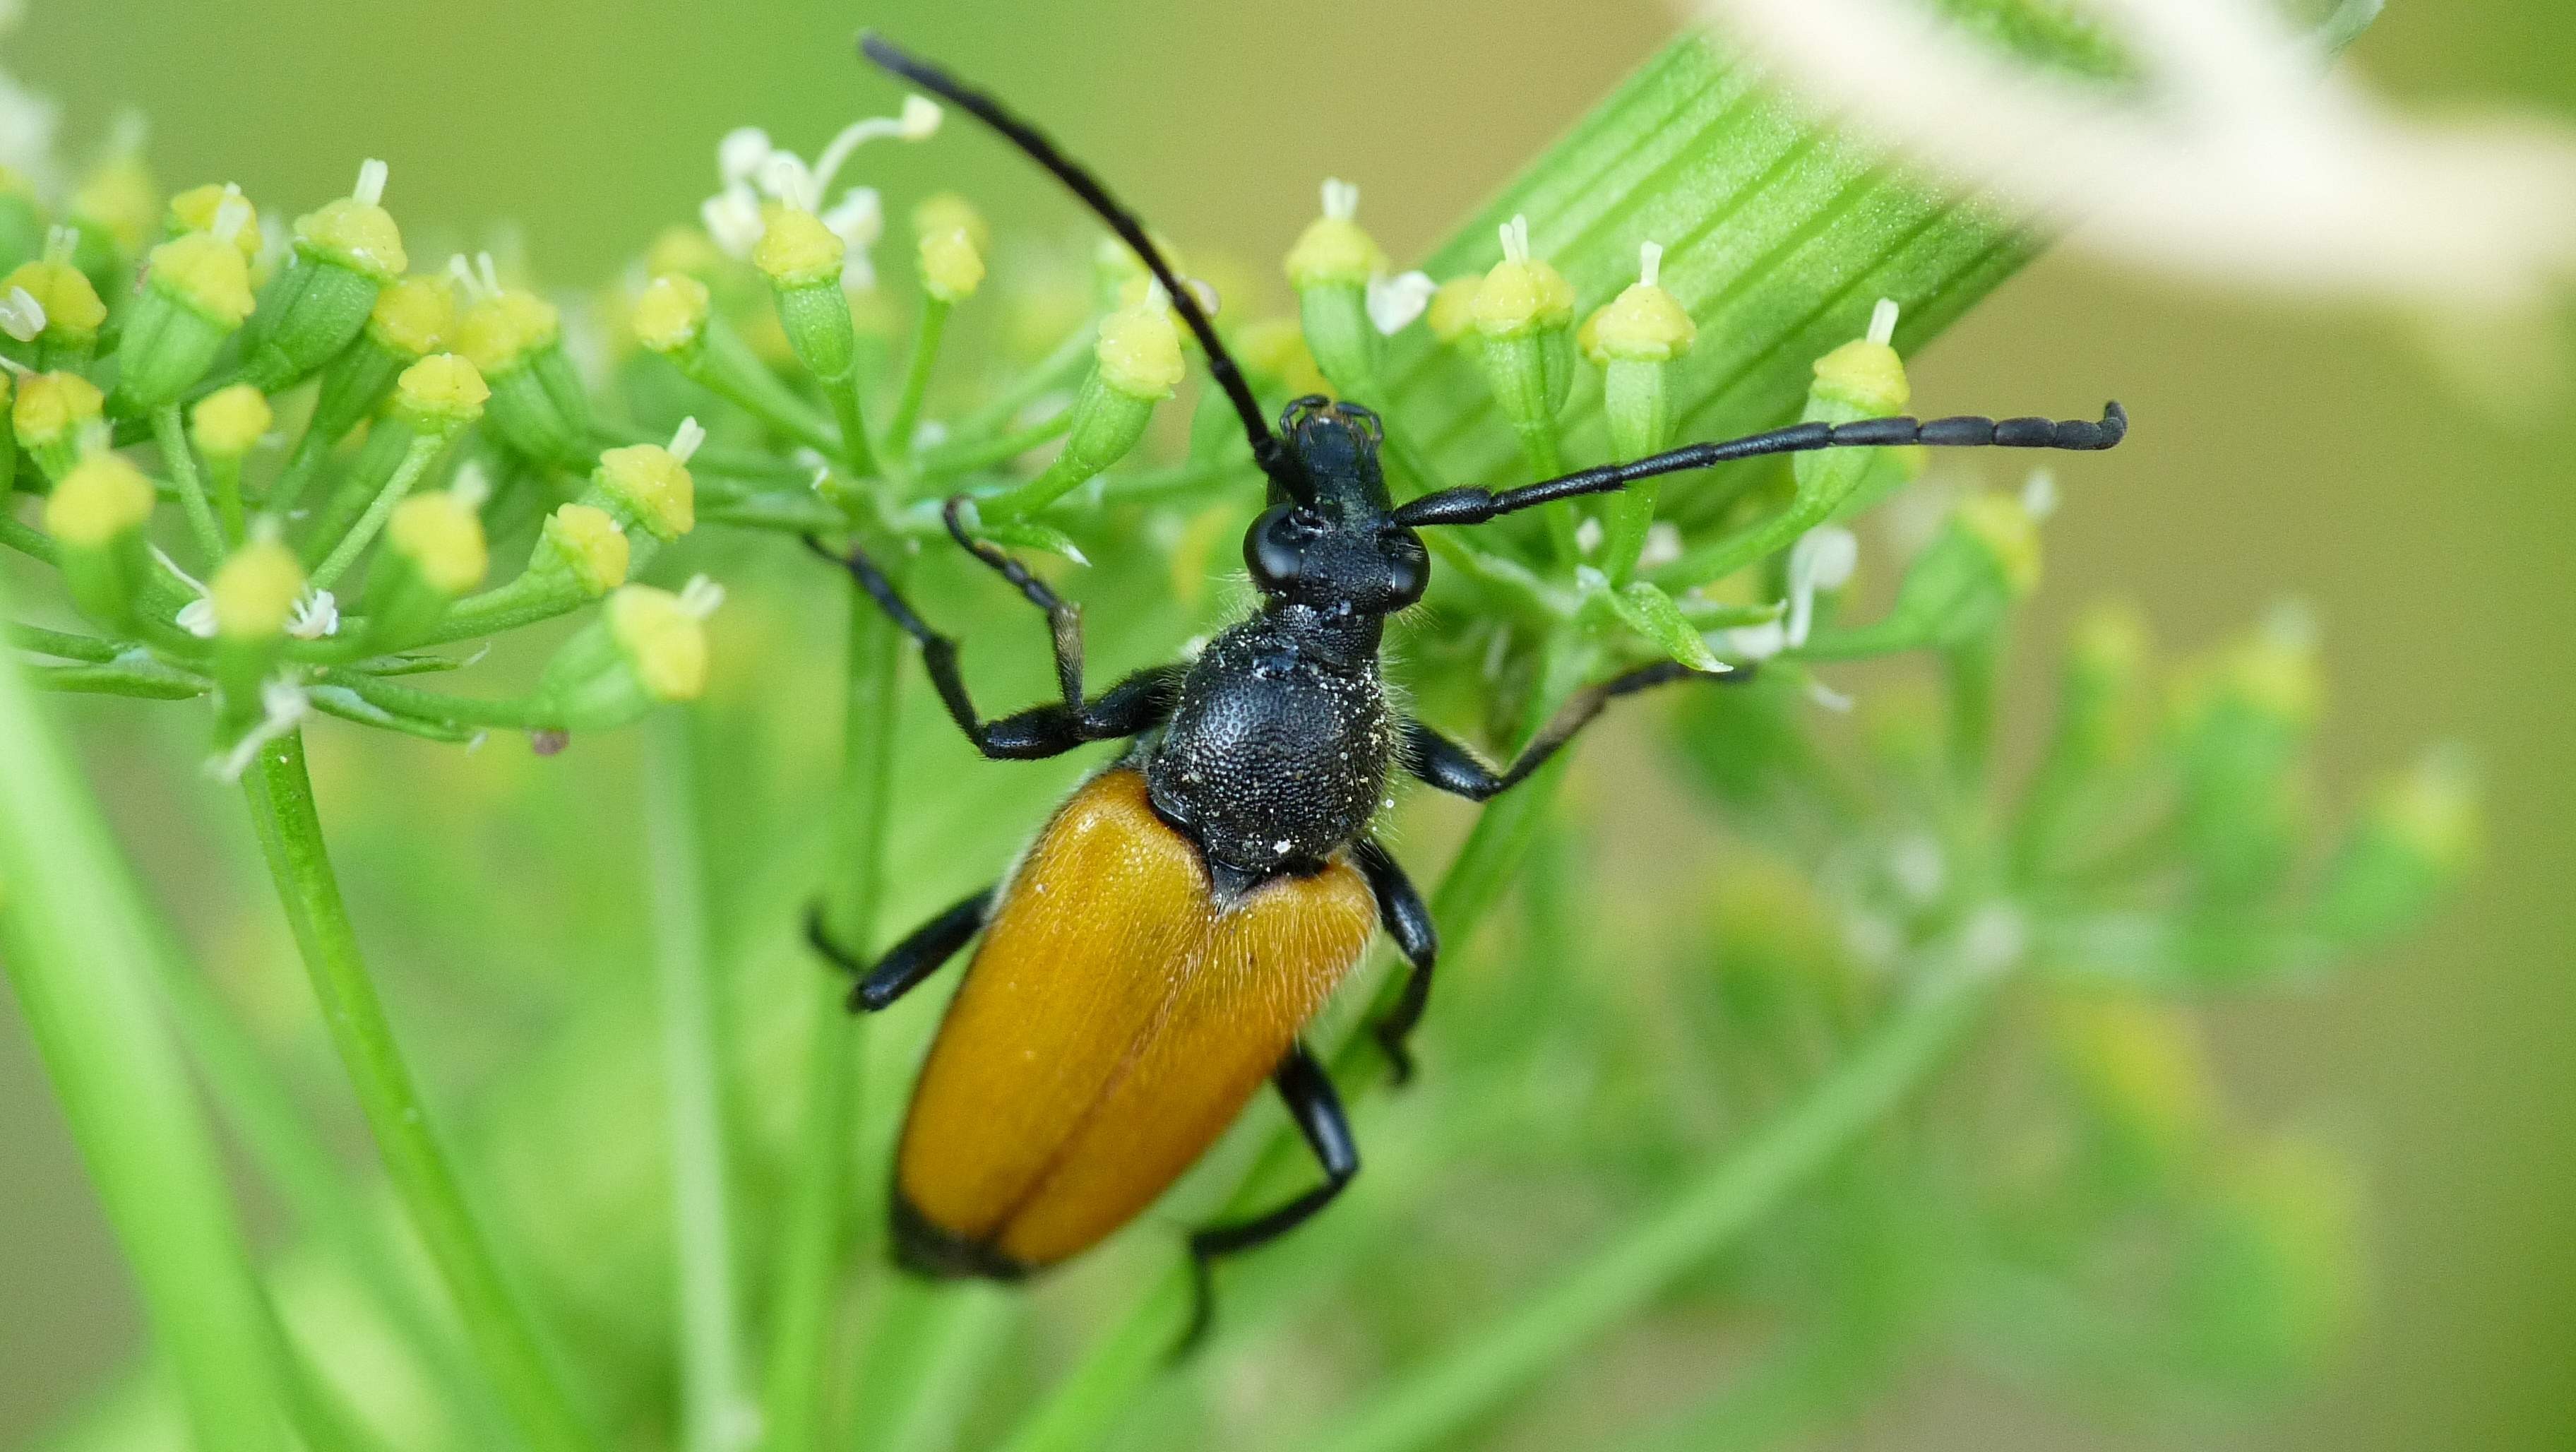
1267,451
1475,506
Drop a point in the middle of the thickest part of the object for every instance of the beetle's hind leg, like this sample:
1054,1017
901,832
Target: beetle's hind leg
1138,703
1308,1092
908,962
1401,912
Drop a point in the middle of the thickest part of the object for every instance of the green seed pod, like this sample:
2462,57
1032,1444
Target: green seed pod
52,416
646,489
1524,310
802,259
1985,558
411,319
345,254
1136,363
2243,731
2416,840
1331,266
582,549
434,554
647,648
96,515
515,339
254,593
55,314
195,296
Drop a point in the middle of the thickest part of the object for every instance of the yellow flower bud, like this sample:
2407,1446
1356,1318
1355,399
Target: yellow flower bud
442,392
51,408
360,236
414,316
122,197
255,591
206,273
662,639
589,544
195,209
2006,529
229,422
1334,252
497,333
796,249
949,212
1644,324
442,536
652,486
1453,308
102,498
671,313
71,305
1866,376
686,250
952,267
1139,351
1277,347
1522,294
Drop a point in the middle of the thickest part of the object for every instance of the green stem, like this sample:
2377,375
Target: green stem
25,538
62,643
148,681
225,473
857,454
310,450
516,714
1053,371
1440,1400
293,1158
922,1363
813,1241
77,958
290,831
715,1413
362,534
172,436
916,374
725,366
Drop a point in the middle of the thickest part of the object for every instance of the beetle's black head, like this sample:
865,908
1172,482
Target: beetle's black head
1340,551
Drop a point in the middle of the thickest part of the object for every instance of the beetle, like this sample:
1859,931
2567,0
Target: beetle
1155,955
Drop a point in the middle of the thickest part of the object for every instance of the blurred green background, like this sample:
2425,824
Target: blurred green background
2280,451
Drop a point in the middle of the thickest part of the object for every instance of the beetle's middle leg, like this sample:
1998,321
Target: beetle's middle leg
1401,912
1308,1093
1138,703
1453,768
907,963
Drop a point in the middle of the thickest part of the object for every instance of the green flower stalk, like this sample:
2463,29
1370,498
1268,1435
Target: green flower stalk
54,313
952,241
345,253
55,417
436,399
648,648
226,425
196,295
1136,364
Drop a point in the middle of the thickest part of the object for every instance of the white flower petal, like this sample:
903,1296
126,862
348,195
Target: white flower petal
1394,302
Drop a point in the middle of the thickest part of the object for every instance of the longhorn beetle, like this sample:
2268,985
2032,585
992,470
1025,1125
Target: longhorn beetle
1156,954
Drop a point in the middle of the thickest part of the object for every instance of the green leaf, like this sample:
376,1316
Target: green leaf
74,942
1652,614
1029,534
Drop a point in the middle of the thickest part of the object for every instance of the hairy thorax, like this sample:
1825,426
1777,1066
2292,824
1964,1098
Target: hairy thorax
1278,753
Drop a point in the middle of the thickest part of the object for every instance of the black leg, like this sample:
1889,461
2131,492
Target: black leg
1308,1092
906,963
1452,768
1138,703
1401,912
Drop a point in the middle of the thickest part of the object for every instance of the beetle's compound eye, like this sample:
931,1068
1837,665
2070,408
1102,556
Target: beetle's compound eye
1274,549
1408,567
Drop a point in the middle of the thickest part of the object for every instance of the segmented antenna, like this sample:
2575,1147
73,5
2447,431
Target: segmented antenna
1274,459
